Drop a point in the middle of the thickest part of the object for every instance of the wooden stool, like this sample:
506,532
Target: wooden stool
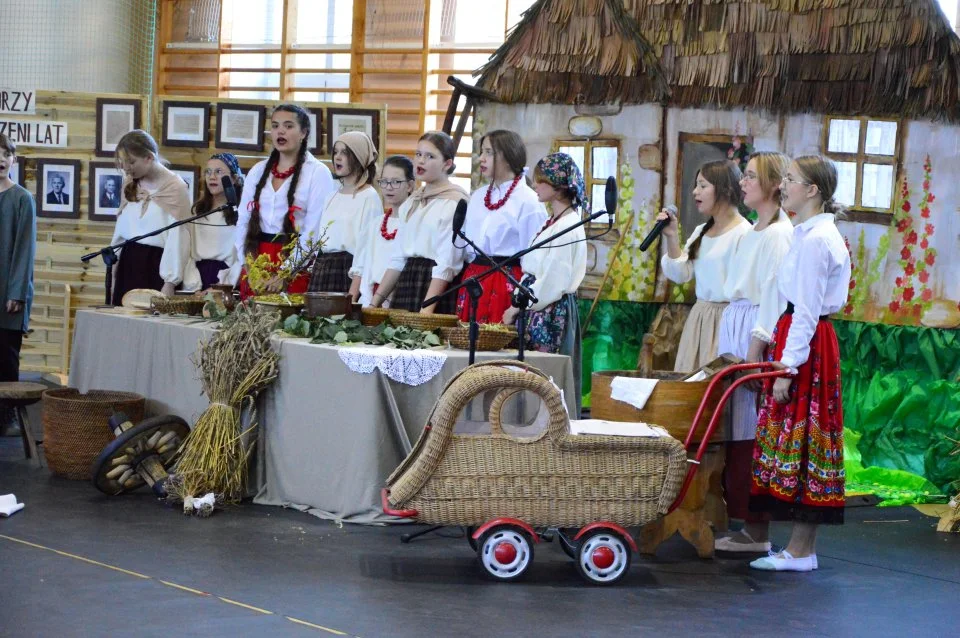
18,395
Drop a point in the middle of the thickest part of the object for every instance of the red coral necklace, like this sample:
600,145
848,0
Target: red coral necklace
383,226
497,205
282,174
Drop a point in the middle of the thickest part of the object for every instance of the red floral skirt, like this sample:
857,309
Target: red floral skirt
274,249
798,457
497,293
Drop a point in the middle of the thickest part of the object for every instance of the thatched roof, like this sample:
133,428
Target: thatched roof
585,50
876,57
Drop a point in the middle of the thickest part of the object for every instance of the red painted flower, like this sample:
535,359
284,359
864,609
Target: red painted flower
925,212
930,258
903,224
930,198
899,282
906,207
924,243
911,238
909,270
848,309
853,284
905,253
924,276
926,184
926,295
928,229
908,293
894,306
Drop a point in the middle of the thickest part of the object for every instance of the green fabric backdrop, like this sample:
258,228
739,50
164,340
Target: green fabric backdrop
901,396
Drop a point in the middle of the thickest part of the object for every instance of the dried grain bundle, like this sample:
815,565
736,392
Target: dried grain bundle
235,365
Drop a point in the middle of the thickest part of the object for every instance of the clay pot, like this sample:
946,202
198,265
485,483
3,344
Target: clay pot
327,304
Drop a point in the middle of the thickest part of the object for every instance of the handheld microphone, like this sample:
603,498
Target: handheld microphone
459,217
230,215
610,199
657,229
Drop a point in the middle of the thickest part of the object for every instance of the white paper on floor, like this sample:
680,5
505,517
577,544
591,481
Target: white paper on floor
9,505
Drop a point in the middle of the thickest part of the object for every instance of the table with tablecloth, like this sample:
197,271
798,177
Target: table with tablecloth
328,437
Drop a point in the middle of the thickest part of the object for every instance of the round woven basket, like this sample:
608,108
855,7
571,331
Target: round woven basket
425,322
372,317
75,426
487,341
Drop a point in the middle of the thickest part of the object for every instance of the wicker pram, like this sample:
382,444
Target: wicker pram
505,488
553,479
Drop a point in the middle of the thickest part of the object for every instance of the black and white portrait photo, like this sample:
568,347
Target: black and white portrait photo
109,191
58,188
105,191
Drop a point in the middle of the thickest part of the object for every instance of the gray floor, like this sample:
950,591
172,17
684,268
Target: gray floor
887,572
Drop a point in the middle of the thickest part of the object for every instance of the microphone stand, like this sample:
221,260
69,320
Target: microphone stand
109,253
473,282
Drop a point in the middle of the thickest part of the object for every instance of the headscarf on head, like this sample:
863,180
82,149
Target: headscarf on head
230,160
362,148
562,172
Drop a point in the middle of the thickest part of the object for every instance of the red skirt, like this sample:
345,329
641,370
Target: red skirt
497,293
798,458
274,249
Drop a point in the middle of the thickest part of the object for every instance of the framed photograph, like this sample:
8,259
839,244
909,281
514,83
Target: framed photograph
17,171
115,118
315,140
58,188
186,124
340,121
105,191
240,126
191,175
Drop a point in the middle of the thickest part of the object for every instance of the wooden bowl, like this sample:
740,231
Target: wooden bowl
327,304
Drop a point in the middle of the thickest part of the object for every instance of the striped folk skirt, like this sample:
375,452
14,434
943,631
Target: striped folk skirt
798,458
331,272
413,284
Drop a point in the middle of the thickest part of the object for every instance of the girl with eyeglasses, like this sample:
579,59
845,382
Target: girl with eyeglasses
213,254
424,260
282,196
746,328
347,214
502,217
798,470
396,183
705,256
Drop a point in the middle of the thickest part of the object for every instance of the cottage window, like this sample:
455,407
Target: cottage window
867,153
598,160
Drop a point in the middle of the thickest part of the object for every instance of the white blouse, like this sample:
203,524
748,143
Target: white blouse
428,232
211,238
315,186
752,273
346,219
815,277
138,218
378,255
710,266
559,266
508,229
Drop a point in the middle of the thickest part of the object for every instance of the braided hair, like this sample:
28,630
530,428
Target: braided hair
253,229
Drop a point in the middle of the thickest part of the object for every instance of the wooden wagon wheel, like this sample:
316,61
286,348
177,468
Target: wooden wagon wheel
139,455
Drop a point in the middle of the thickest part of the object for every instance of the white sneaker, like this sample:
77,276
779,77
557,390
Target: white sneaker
784,562
727,544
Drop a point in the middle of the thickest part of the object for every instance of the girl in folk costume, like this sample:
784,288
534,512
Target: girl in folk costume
705,256
214,256
798,459
558,267
746,328
282,195
347,215
502,218
424,260
396,183
153,197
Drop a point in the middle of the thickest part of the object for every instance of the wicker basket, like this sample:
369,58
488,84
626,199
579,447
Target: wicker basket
371,317
551,479
190,306
487,341
420,321
75,426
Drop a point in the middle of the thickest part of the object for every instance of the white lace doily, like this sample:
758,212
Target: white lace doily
412,367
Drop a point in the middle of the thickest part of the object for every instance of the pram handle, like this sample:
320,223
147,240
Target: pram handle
708,434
